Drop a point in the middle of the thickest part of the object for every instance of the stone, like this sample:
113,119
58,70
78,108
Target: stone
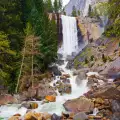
80,116
115,106
81,104
66,81
45,90
14,118
50,98
66,75
30,105
55,71
55,117
107,91
67,88
33,116
7,99
46,116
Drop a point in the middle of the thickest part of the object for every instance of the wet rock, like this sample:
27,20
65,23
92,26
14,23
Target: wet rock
50,98
7,99
65,88
60,62
81,76
66,75
66,81
45,90
115,106
81,116
81,72
55,71
79,105
55,117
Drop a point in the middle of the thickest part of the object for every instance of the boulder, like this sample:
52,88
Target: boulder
7,99
115,106
30,105
50,98
33,116
81,104
107,91
55,70
81,116
44,90
46,116
66,75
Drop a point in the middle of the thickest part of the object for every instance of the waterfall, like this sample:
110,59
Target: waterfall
70,39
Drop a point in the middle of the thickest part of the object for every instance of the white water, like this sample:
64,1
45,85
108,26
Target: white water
70,45
70,39
55,107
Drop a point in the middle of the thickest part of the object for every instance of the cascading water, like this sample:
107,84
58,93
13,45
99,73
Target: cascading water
70,39
70,45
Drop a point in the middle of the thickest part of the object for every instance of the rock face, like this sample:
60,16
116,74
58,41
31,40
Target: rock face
115,106
7,99
39,92
109,91
81,104
81,116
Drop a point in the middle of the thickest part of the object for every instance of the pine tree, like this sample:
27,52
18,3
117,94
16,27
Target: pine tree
6,57
74,13
48,6
78,12
90,11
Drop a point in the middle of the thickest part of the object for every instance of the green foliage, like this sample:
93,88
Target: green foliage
64,11
12,25
86,61
78,12
6,59
92,58
48,6
90,11
46,30
74,12
57,6
11,41
112,9
104,58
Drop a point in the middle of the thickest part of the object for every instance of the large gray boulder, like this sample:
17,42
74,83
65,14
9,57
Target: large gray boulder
81,104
